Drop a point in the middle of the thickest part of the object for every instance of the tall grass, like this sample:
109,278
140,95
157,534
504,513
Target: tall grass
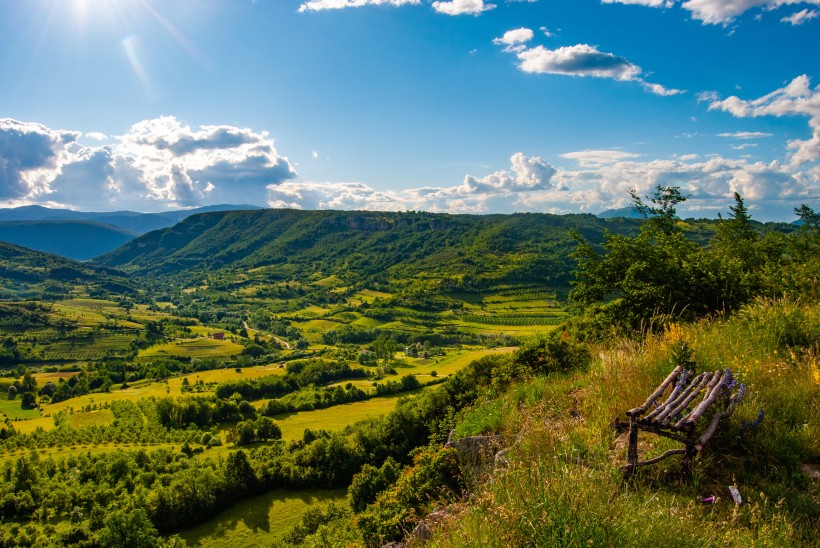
563,485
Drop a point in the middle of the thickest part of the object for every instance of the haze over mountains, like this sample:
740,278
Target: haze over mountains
81,235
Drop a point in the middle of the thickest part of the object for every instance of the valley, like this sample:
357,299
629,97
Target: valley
258,377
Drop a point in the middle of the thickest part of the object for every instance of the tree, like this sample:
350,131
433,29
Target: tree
129,529
28,401
245,433
266,429
29,383
371,481
658,273
662,213
384,346
239,475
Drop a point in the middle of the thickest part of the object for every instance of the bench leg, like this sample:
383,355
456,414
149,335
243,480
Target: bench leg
632,448
686,461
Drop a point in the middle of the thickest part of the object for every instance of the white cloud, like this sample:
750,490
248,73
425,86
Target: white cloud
31,156
658,89
796,98
319,5
156,163
800,17
745,135
96,135
165,163
720,12
602,181
650,3
527,173
312,195
515,37
577,60
462,7
593,158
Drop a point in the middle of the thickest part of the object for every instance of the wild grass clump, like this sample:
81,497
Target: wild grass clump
563,484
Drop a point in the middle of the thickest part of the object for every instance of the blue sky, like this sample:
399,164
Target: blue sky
461,106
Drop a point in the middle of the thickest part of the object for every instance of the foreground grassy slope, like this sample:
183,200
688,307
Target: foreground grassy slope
563,485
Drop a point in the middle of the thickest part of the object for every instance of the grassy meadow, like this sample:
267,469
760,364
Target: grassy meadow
259,521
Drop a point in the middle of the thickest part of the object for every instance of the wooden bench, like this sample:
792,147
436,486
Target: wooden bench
677,415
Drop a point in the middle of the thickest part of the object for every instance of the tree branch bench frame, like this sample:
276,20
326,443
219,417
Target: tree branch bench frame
678,416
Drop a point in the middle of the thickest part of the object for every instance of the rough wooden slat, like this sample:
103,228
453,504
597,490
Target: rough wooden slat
712,428
711,393
656,394
676,392
676,395
686,396
710,399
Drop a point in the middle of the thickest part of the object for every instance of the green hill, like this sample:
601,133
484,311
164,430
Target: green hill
78,240
28,273
370,248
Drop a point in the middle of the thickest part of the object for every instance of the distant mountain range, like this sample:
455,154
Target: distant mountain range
628,212
78,240
81,235
130,221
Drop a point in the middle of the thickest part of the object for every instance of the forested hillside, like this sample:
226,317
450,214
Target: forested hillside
27,273
374,247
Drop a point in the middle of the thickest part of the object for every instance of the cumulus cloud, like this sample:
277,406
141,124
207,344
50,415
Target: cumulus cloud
796,98
515,37
577,60
722,12
31,155
319,5
462,7
601,181
525,174
156,163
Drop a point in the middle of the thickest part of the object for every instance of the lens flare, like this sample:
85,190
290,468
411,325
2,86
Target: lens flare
131,47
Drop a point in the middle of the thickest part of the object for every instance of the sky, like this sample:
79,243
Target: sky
460,106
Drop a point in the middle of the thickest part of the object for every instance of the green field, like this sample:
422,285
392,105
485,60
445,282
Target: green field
193,348
259,521
13,410
335,418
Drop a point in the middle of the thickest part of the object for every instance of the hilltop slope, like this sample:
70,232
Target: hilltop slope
363,246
